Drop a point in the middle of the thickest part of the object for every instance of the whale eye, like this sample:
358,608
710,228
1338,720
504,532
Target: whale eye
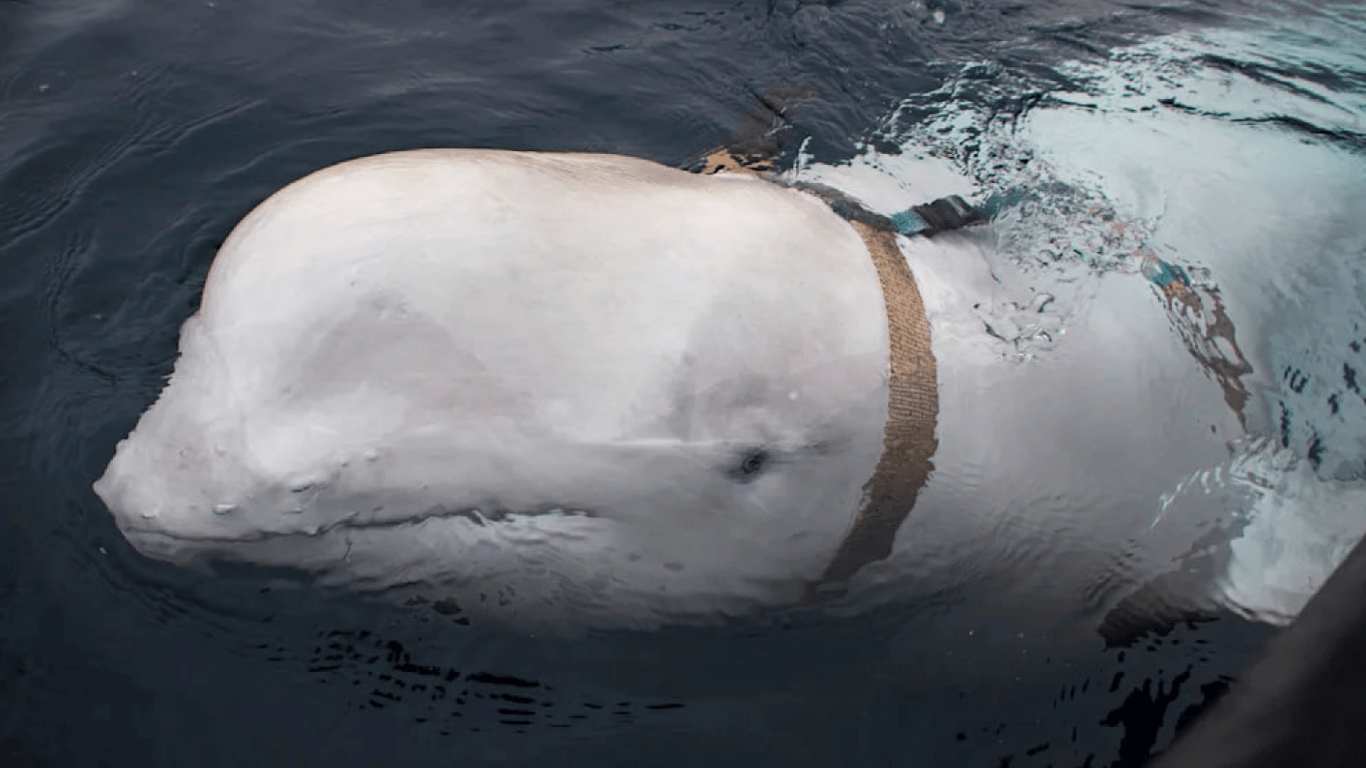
751,463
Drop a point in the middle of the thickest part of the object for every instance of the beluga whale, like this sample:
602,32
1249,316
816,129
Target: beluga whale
565,390
552,387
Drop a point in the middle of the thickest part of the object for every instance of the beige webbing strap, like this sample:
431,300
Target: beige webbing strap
908,442
912,409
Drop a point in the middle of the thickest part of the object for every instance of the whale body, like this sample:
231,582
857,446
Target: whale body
571,389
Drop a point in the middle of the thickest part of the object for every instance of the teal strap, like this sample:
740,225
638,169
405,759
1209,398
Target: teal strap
941,215
1163,274
909,223
952,212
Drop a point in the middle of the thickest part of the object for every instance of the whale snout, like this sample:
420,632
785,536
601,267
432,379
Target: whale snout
181,481
156,491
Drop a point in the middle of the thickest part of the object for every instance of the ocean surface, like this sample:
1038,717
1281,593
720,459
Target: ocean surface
134,135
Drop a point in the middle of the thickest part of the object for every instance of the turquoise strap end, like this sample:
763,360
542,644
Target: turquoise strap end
908,223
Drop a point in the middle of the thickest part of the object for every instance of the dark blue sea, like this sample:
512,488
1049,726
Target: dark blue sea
134,134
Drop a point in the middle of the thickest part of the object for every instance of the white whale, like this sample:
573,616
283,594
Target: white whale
581,384
566,389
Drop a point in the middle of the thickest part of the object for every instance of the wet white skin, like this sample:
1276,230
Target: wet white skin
560,388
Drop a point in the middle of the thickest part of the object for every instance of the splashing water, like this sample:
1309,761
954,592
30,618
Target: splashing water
1221,167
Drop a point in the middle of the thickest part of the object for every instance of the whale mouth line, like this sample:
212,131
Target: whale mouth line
473,514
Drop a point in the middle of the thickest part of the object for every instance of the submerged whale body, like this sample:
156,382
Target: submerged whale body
571,385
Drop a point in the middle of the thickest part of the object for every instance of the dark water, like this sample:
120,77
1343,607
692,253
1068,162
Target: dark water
133,136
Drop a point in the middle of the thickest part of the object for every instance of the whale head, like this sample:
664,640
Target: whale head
594,387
